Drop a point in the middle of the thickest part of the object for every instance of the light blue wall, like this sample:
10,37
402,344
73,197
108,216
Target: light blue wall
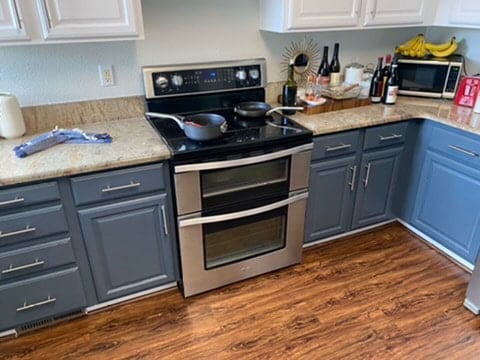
176,31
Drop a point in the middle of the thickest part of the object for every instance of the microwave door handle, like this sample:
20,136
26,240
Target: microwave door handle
215,165
242,214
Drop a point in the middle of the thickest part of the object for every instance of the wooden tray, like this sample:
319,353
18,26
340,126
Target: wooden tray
333,105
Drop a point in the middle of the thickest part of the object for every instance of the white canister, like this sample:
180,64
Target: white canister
354,73
12,124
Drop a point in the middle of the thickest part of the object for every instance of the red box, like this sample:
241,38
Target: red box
467,91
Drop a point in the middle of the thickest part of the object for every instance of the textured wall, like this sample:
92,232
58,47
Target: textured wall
176,31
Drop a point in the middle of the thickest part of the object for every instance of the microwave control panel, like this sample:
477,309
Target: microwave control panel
452,79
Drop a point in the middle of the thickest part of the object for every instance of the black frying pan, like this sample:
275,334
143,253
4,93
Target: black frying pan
256,109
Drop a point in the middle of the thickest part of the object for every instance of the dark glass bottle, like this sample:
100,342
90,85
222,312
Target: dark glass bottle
386,71
289,90
324,68
391,86
335,74
376,86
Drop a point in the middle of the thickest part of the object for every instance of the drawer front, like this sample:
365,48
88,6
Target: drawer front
32,224
458,145
19,196
328,146
385,135
41,297
31,259
117,184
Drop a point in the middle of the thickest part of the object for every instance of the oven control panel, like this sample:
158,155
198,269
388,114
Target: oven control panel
203,78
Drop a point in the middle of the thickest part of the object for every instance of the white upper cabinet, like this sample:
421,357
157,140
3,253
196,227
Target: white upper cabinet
49,21
459,13
11,28
315,15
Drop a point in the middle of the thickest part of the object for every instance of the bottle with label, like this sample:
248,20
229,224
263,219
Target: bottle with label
391,86
290,90
386,70
324,68
376,85
335,74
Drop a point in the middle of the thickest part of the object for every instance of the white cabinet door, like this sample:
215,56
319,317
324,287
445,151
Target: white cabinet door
465,12
11,27
90,18
396,12
304,14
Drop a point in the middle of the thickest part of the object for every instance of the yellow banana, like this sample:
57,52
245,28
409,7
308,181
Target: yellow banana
440,47
417,45
408,44
420,50
447,52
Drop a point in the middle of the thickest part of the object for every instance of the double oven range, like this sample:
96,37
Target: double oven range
240,198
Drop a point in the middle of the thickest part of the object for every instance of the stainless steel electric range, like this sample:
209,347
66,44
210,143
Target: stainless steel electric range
240,198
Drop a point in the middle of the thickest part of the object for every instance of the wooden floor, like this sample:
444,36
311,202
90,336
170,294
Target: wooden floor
381,295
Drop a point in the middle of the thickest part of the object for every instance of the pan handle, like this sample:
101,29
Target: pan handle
272,110
178,119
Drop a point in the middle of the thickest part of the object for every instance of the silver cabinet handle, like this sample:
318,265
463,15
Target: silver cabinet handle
17,14
215,165
390,137
354,173
367,175
49,300
27,229
463,151
13,201
121,187
12,269
47,13
338,147
164,218
242,214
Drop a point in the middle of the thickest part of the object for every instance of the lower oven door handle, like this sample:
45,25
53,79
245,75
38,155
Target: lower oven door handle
244,213
215,165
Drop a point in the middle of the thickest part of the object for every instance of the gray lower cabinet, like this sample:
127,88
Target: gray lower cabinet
353,178
125,218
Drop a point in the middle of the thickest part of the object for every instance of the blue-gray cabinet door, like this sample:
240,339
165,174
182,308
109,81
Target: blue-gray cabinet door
447,207
377,177
330,200
128,246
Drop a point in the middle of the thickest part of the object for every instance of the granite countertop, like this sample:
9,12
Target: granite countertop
134,141
406,108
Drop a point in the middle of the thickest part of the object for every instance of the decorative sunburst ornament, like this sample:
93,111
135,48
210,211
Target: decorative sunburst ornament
306,58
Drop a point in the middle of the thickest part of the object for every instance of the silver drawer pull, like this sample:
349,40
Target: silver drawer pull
121,187
28,229
390,137
164,218
12,269
354,173
13,201
367,175
338,147
463,151
49,300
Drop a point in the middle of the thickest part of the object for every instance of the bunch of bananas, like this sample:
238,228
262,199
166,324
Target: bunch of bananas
418,47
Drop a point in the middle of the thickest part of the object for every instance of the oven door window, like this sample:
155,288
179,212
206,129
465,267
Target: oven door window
245,183
428,78
240,239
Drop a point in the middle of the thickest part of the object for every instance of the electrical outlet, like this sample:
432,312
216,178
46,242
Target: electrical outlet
106,75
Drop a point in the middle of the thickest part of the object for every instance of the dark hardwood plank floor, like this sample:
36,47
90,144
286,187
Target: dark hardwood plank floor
379,295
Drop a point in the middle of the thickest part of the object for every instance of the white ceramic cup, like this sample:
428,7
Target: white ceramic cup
12,124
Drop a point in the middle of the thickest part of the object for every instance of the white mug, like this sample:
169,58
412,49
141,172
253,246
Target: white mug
12,124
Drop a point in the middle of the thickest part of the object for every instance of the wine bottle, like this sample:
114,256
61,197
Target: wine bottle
391,86
324,68
289,90
376,86
335,74
386,71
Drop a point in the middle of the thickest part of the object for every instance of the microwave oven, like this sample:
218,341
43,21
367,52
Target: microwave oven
435,77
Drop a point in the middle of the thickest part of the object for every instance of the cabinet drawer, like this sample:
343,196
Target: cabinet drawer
327,146
116,184
32,224
456,144
31,259
13,198
41,297
385,135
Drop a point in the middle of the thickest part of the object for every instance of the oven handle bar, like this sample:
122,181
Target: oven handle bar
244,213
214,165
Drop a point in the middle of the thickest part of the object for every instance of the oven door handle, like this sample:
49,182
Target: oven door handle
215,165
244,213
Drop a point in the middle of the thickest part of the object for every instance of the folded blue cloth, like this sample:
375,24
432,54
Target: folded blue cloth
58,136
